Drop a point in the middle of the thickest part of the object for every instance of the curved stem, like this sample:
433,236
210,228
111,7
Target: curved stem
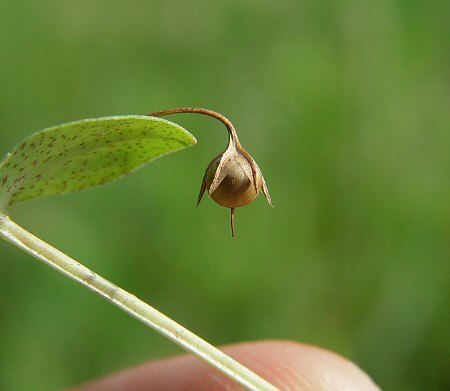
195,110
129,303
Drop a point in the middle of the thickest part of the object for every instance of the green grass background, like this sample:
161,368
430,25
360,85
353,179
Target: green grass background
345,106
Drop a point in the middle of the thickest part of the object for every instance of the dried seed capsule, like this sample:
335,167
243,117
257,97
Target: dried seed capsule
235,187
233,178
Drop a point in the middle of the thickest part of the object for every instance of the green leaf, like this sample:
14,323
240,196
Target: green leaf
82,154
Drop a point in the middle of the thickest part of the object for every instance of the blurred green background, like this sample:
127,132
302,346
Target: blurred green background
345,106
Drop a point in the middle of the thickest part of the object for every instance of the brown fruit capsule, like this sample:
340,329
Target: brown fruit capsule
233,178
234,185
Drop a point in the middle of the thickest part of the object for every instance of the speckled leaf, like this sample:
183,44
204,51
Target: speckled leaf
82,154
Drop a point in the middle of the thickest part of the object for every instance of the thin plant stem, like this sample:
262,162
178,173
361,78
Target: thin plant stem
196,110
232,221
129,303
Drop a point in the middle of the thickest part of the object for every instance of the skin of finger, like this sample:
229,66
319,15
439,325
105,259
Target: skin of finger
290,366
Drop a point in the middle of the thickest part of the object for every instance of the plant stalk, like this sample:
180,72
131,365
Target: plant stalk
196,110
129,303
